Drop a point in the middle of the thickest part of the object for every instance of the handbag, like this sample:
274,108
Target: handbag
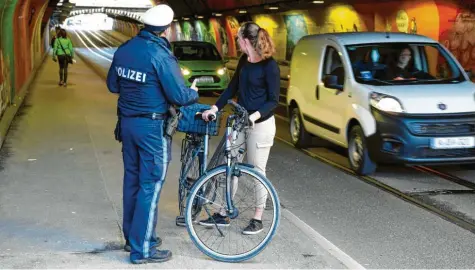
69,59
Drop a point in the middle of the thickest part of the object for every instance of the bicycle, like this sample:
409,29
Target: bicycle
202,191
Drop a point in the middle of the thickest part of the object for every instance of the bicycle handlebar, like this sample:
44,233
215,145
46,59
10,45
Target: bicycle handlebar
211,117
238,107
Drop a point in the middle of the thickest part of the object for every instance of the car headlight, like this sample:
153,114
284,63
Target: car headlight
222,71
185,71
386,103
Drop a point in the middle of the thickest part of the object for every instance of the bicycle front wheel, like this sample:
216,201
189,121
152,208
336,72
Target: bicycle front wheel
227,240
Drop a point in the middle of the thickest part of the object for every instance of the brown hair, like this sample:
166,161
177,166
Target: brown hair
259,38
62,33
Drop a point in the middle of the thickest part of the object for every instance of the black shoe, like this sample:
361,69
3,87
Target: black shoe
221,221
160,256
254,227
180,221
127,247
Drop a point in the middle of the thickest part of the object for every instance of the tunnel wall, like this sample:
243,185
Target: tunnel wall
126,28
22,47
450,22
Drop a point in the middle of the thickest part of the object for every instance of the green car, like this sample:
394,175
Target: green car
201,61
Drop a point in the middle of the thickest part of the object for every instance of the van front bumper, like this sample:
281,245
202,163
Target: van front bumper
407,139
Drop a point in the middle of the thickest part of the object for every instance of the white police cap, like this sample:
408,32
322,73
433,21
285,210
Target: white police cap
158,18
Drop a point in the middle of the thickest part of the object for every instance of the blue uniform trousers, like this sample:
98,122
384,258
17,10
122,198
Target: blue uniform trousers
146,154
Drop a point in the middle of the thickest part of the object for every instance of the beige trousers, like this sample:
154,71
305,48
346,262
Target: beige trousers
259,141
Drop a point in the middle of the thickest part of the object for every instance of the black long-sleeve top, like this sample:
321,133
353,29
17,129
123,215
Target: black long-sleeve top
257,86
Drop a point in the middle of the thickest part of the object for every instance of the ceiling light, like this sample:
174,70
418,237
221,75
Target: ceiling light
318,2
242,11
200,17
218,14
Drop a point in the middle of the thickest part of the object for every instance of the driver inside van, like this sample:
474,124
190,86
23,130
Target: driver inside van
402,68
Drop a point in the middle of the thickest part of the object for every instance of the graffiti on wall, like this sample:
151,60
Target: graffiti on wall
460,38
450,22
5,64
232,28
296,29
5,86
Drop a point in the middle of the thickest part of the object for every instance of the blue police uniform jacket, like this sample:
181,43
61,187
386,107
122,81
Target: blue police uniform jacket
147,77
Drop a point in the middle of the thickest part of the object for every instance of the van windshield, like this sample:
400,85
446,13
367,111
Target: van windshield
403,63
196,52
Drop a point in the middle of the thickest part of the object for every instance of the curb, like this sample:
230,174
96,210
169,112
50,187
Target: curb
12,109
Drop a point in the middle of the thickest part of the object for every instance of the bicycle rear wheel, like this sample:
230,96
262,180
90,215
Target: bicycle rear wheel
229,243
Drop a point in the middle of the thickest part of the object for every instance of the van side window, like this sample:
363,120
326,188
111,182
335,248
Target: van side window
333,65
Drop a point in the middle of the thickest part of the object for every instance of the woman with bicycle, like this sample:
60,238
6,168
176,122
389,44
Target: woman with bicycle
63,49
256,83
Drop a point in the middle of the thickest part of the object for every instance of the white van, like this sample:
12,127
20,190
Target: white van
386,97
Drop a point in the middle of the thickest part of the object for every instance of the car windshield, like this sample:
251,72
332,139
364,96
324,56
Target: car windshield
196,52
403,63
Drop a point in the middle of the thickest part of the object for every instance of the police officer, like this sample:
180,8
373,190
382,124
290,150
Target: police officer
148,79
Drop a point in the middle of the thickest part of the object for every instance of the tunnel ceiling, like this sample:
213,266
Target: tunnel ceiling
188,8
185,8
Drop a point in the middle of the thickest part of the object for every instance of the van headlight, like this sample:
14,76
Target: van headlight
185,71
386,103
222,71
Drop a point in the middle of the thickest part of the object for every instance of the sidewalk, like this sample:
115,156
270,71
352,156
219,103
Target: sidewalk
61,189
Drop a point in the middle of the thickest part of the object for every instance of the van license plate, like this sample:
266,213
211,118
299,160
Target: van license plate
453,143
205,80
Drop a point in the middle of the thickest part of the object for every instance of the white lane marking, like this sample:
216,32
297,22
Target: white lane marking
93,44
105,42
90,48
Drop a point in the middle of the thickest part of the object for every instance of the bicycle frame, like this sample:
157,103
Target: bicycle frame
231,134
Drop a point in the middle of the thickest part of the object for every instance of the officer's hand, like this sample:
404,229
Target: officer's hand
207,113
193,86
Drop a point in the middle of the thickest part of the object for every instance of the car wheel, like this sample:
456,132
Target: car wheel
358,156
299,136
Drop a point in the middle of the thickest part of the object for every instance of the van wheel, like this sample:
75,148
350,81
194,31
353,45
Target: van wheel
360,161
299,136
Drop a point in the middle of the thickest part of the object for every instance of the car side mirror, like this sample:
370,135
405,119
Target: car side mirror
331,81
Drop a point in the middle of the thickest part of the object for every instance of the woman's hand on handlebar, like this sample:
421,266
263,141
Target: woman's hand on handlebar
206,114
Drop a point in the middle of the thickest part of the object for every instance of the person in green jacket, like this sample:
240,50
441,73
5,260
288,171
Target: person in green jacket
63,47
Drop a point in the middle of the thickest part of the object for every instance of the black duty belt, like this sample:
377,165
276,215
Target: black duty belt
153,116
